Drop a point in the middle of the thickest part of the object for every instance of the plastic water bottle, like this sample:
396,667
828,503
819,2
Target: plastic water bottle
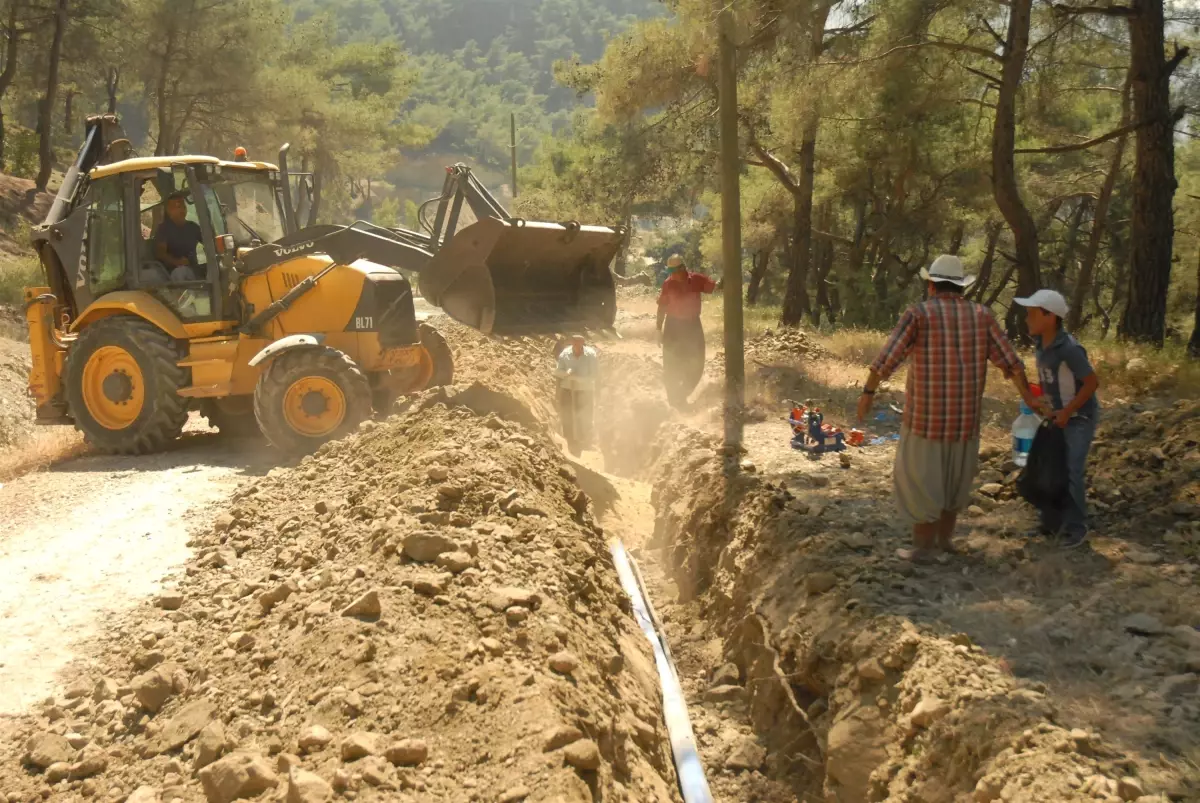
1024,428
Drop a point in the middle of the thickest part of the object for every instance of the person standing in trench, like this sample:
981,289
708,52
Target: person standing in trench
680,330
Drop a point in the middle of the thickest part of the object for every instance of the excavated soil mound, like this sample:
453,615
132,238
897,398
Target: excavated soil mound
782,346
423,611
16,405
1015,672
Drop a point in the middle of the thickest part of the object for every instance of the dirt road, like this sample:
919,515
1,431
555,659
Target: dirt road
89,538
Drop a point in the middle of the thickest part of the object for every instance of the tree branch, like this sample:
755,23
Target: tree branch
1107,11
991,79
832,237
776,166
1181,53
999,39
1080,146
862,26
945,45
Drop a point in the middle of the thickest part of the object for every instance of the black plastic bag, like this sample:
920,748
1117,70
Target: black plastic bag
1043,481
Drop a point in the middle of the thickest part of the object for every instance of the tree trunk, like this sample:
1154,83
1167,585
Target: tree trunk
824,264
46,109
956,239
1004,280
795,300
163,146
10,65
1068,252
760,263
1004,176
1145,317
1194,343
1087,267
70,96
989,259
111,83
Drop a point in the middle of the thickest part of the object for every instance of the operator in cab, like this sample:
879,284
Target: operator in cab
176,240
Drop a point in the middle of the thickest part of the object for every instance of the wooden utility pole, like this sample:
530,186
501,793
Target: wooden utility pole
512,146
731,236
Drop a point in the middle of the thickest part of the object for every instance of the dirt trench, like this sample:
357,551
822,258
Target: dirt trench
1014,672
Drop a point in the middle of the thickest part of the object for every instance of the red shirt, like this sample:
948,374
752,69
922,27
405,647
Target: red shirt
680,296
951,340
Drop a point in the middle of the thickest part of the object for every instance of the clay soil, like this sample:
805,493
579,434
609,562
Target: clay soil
427,610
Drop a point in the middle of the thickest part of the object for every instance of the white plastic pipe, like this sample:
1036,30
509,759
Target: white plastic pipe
690,772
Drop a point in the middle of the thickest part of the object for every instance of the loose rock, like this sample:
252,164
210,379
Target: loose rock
313,738
359,745
564,663
408,753
583,755
238,775
365,607
45,749
307,787
746,754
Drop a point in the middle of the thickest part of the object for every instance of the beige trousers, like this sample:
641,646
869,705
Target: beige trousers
933,476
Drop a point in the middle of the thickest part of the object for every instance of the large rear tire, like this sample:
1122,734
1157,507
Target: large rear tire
440,353
309,396
122,386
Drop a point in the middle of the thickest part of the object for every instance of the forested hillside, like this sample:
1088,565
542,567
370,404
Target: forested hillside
1041,141
362,88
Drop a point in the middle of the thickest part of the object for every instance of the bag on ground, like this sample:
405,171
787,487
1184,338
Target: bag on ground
1043,481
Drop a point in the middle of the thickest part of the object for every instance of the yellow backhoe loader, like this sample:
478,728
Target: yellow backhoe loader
298,331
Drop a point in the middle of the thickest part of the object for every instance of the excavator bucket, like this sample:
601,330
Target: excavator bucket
514,276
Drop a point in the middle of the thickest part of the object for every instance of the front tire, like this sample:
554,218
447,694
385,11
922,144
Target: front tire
122,386
309,396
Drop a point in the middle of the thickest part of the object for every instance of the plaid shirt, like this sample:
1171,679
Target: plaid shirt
951,341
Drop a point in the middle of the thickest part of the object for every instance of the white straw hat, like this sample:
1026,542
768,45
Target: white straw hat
947,268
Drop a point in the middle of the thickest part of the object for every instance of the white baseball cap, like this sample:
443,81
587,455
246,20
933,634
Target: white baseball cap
947,268
1049,300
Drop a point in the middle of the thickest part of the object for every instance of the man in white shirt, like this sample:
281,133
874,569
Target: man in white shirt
576,375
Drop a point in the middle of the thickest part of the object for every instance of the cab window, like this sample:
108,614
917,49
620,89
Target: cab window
106,237
249,208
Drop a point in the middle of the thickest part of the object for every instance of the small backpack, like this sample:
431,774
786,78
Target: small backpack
1043,482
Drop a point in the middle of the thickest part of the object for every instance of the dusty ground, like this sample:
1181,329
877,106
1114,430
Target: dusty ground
88,539
816,666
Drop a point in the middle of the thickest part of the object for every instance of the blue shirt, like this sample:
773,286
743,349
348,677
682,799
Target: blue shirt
1062,367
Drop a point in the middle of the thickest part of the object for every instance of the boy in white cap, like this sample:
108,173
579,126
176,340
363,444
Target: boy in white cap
1069,387
949,341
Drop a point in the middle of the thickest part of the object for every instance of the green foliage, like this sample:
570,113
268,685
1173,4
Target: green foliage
476,63
15,276
387,213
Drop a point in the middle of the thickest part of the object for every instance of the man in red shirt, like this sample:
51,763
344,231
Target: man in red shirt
680,329
948,342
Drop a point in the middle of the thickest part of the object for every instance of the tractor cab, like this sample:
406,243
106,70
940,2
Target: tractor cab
124,220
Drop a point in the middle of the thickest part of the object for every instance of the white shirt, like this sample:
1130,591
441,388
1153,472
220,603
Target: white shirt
585,366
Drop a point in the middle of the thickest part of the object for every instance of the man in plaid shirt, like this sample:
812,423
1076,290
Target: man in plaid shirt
950,341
